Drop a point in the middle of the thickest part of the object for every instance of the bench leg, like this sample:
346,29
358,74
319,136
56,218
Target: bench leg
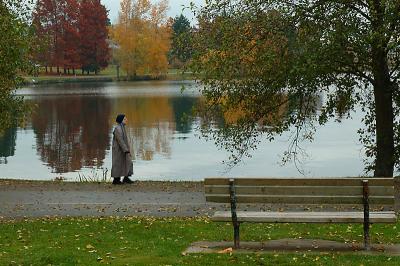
366,214
236,237
366,236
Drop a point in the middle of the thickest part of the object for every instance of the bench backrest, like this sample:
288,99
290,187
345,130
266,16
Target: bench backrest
300,190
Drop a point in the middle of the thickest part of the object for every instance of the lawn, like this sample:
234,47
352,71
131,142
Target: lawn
110,72
161,241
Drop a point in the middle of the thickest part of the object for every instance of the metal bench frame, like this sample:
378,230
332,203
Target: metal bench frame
366,211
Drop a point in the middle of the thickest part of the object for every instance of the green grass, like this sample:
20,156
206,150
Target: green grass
150,241
110,72
178,74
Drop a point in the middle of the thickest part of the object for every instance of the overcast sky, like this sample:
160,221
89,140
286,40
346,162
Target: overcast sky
175,9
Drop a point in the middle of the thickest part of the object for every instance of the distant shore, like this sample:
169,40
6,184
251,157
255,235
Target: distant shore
107,75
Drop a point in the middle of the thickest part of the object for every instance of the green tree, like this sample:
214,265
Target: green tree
267,61
14,51
181,46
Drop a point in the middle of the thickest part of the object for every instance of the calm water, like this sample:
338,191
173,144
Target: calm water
70,133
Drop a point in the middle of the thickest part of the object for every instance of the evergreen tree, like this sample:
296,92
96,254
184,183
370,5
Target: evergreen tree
181,47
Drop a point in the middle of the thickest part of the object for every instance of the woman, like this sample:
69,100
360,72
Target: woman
121,154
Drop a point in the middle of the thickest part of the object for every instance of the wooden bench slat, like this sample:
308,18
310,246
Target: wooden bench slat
300,190
301,181
299,199
305,217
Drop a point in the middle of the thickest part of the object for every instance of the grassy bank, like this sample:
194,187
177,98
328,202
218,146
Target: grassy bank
106,75
149,241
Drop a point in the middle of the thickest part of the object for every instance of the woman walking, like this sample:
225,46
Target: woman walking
122,165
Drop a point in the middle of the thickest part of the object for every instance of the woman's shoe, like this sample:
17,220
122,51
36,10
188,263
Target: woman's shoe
127,180
117,181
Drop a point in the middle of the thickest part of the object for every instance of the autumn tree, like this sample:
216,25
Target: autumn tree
66,140
50,21
71,34
181,46
94,49
261,55
143,37
43,23
14,59
43,41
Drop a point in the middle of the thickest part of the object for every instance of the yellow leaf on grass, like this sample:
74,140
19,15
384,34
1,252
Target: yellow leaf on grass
227,250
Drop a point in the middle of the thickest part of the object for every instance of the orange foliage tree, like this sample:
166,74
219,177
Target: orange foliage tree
143,37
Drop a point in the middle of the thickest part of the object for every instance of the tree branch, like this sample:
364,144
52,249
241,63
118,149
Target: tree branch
357,9
394,23
347,4
396,67
358,73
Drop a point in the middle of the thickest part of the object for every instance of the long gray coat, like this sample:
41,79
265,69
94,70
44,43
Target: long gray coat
121,161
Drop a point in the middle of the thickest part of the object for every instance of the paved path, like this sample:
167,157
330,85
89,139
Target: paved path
30,199
298,245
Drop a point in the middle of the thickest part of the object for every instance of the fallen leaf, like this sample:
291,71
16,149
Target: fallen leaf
227,250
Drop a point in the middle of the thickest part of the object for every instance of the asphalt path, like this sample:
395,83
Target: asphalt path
20,199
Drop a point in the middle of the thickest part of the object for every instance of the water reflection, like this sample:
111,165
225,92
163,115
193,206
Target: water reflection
151,124
182,108
72,132
7,144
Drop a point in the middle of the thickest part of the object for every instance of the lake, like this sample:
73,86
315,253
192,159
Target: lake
70,133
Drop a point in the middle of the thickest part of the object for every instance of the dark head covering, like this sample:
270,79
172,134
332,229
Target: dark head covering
120,118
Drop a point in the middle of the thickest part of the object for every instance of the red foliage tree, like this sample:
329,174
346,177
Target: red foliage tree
47,24
56,24
94,49
71,36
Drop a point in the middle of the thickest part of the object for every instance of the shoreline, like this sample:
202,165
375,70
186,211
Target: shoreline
56,80
43,80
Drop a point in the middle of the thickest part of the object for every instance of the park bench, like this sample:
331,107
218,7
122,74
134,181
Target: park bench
328,192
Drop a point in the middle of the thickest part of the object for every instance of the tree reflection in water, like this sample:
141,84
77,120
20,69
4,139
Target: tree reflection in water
7,144
75,131
72,131
153,122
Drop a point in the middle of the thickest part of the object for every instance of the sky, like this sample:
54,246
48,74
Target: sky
176,7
